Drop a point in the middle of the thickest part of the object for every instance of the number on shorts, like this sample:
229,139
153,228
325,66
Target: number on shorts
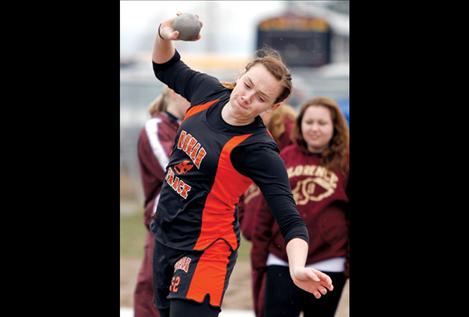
174,284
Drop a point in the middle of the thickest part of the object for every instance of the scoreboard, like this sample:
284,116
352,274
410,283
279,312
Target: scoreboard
302,41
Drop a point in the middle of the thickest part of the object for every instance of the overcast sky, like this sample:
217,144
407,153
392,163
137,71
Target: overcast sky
229,26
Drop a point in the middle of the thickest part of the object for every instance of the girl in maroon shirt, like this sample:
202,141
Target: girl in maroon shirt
317,166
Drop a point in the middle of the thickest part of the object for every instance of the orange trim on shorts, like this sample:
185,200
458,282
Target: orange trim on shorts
218,214
210,274
196,109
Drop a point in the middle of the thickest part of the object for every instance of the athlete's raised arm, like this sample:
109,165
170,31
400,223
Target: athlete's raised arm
163,48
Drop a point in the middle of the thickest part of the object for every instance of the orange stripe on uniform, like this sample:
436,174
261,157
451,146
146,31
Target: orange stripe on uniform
196,109
210,273
218,213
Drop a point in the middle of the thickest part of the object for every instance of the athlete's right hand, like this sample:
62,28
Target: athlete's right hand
168,33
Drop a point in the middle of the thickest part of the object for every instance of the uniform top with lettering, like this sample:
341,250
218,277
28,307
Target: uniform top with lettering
211,166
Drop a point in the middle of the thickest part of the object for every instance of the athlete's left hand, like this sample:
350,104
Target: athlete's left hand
312,280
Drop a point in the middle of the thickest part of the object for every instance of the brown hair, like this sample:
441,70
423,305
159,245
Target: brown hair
335,155
272,61
160,103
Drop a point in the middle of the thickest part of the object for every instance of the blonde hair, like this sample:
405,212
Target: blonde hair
276,124
228,85
160,103
272,61
336,154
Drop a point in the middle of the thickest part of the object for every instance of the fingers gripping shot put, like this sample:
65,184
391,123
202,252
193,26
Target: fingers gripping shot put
224,147
188,26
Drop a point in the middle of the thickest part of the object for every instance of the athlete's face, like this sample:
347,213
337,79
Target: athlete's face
317,128
255,92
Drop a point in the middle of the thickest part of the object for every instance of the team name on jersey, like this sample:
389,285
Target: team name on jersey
177,184
191,147
182,264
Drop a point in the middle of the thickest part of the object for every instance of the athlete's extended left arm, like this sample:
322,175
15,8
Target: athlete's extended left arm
309,279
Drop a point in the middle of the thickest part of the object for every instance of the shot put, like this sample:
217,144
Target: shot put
188,26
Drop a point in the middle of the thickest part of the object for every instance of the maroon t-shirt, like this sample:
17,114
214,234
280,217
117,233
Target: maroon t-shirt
321,198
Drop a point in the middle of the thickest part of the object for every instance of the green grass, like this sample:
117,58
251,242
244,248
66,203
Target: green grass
244,250
133,234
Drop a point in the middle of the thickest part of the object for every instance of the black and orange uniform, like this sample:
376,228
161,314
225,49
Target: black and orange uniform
211,166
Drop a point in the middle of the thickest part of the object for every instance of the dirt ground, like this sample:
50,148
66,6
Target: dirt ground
238,295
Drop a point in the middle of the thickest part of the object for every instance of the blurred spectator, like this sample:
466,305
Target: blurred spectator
317,166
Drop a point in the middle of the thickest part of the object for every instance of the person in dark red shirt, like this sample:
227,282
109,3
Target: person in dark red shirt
154,147
280,123
221,148
317,167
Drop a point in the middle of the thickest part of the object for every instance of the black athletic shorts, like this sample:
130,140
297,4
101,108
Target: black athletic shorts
192,274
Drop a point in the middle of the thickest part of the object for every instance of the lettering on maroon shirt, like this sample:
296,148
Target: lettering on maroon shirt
251,192
320,184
